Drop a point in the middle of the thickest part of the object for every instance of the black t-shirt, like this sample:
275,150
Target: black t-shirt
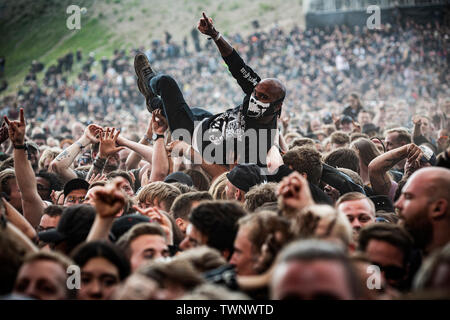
232,129
349,111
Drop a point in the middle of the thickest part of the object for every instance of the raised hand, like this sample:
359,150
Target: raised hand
294,192
336,121
109,200
98,177
356,126
108,143
414,153
178,148
417,121
205,26
16,129
56,197
155,215
158,123
92,132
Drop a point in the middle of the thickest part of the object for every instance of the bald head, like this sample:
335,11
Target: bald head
273,87
434,180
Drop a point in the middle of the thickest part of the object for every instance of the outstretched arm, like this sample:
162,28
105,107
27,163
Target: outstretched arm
134,158
32,204
245,76
205,26
143,150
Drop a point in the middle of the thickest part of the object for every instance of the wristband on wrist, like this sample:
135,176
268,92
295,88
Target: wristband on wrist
23,147
217,37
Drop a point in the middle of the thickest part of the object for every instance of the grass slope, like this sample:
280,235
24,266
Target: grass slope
36,29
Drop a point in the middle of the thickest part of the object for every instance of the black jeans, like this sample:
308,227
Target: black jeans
171,100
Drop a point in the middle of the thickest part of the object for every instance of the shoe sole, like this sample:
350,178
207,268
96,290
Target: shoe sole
142,86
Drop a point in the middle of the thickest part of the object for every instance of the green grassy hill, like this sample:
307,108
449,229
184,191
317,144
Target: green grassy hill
36,29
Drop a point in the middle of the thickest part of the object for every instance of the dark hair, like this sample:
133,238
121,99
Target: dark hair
181,207
259,195
356,96
300,142
367,150
39,136
267,228
124,242
217,220
5,176
357,135
199,179
340,137
312,249
177,234
343,158
390,233
54,210
7,163
121,173
305,160
184,188
53,179
86,251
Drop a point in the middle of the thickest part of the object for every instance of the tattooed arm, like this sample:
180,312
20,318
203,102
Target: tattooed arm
379,167
61,164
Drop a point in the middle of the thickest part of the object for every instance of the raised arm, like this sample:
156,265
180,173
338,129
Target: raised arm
143,150
205,26
379,167
134,157
32,204
61,164
108,201
160,161
244,75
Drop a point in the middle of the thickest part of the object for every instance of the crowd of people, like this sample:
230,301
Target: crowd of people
353,202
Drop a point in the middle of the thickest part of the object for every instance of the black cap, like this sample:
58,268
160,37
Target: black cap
245,176
75,184
74,225
346,119
382,203
32,145
180,177
369,127
125,223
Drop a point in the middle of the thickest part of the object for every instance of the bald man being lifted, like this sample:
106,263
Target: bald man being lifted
243,134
